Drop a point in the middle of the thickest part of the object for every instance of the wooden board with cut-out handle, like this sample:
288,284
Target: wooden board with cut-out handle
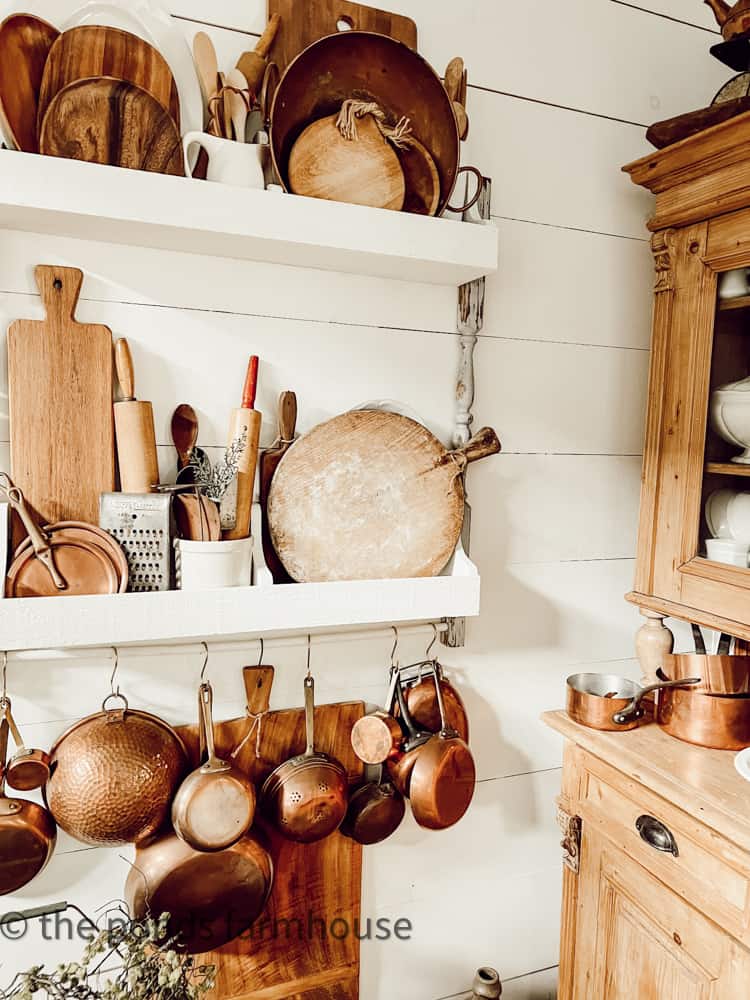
60,400
312,882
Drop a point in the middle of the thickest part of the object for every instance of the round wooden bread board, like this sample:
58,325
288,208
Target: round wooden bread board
112,122
367,495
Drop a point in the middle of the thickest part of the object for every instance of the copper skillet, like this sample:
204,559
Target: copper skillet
77,532
27,769
421,698
215,805
306,797
28,834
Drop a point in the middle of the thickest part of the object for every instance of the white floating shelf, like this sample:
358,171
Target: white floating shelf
177,616
44,194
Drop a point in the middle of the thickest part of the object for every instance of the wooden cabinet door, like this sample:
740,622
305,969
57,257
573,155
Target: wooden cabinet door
637,940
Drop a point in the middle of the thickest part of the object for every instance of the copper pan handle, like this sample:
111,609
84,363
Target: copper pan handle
39,540
634,710
13,728
3,751
471,202
310,715
207,720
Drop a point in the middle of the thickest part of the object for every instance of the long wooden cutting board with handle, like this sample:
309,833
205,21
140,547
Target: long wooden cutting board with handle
303,23
60,396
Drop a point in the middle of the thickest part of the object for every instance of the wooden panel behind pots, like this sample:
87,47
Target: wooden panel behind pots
322,879
303,23
60,389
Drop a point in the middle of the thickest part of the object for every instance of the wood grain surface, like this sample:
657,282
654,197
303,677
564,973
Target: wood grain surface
303,23
25,42
269,463
421,178
108,121
91,51
60,389
361,171
314,882
367,495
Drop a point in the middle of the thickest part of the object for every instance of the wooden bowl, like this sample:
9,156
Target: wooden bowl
369,66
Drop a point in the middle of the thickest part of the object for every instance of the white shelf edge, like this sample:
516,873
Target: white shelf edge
44,194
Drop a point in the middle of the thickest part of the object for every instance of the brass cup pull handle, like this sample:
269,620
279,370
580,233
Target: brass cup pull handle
656,835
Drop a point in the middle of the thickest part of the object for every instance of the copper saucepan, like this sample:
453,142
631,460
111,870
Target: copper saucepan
27,833
421,698
79,531
375,812
609,702
114,775
306,797
215,804
27,769
719,674
377,737
716,721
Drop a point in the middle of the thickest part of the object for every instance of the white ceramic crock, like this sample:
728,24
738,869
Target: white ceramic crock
213,565
730,416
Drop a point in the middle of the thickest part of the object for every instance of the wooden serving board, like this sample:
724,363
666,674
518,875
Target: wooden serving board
60,396
312,882
25,42
89,52
303,23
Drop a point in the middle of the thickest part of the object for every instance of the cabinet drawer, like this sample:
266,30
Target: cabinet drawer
708,872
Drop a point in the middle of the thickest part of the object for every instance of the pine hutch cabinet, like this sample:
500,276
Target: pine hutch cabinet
701,228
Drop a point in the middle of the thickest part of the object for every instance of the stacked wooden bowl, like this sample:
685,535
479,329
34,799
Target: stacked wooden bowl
92,93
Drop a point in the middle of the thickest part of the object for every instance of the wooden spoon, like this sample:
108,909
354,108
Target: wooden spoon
225,109
25,42
184,433
453,78
207,65
237,104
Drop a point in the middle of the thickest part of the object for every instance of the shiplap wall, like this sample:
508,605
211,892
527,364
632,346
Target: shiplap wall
559,99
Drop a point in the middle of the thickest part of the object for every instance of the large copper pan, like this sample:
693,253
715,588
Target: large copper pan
717,721
374,67
114,775
212,898
27,833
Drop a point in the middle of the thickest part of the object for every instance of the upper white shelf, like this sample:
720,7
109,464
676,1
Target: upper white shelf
235,613
43,194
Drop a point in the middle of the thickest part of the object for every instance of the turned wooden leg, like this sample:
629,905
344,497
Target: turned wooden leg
652,641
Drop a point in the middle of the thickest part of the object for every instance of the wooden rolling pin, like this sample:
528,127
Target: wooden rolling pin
246,421
253,64
134,430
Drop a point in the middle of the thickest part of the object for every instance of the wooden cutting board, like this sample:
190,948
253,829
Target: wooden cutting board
90,51
25,42
60,395
112,122
303,23
312,881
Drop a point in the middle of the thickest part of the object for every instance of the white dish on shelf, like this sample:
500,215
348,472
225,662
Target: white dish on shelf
152,22
730,416
742,763
717,510
728,551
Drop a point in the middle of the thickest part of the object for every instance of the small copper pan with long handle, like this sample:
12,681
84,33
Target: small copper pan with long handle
28,834
27,769
215,805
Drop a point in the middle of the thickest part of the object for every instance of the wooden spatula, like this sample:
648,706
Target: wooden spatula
207,66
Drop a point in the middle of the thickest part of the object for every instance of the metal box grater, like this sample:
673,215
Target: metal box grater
142,524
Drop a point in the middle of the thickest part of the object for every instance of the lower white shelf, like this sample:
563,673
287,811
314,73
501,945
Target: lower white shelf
175,616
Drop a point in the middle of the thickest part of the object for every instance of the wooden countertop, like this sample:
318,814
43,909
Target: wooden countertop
704,783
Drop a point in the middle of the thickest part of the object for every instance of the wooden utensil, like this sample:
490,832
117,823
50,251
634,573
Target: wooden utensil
207,66
245,427
184,426
238,103
25,42
370,495
361,171
269,463
61,420
215,805
28,834
223,109
197,518
253,64
90,51
421,179
303,23
108,121
134,430
453,78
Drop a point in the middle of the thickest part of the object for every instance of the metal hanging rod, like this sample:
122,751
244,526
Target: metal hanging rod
251,644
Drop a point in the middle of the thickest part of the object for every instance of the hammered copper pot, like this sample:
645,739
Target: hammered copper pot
114,775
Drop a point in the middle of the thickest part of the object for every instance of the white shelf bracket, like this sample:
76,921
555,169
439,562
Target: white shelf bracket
470,321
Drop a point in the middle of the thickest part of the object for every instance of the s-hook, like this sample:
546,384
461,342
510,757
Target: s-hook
205,661
115,666
309,650
432,641
394,661
260,655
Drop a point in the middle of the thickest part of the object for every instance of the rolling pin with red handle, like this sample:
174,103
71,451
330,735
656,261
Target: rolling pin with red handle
246,421
134,430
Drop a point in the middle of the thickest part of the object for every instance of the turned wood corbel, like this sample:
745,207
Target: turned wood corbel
652,642
663,249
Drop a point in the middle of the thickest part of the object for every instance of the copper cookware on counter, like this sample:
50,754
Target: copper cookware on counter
215,805
306,797
370,67
114,775
696,714
609,702
27,832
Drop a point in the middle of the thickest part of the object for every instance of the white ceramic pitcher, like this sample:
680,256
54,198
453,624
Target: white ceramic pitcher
239,164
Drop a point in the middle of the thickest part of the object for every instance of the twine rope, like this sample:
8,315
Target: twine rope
256,726
398,134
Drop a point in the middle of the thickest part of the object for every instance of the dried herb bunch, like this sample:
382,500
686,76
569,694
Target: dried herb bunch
147,966
215,482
